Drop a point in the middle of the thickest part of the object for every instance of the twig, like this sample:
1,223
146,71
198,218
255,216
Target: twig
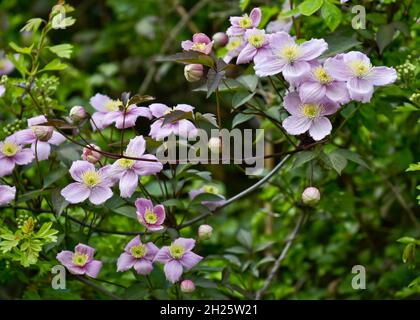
281,257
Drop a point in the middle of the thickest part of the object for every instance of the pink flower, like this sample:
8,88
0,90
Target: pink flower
234,47
6,66
187,286
110,111
257,46
211,205
11,154
90,183
138,256
239,25
152,217
176,257
7,194
200,43
288,57
80,261
318,84
129,170
356,69
183,128
308,116
31,136
92,156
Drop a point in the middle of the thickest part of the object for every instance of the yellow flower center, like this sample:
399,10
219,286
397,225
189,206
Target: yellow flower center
91,178
138,251
310,110
113,105
256,39
199,46
360,68
291,52
211,189
9,149
150,217
245,22
322,75
176,251
125,163
233,44
80,259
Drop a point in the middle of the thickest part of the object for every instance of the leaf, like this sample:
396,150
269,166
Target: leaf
241,118
136,99
206,197
128,211
54,176
54,65
237,250
406,108
213,81
414,167
336,161
338,44
175,116
304,157
409,252
240,98
309,7
249,81
331,15
58,202
32,25
19,63
352,156
243,4
406,240
190,57
385,36
31,195
25,50
62,50
245,238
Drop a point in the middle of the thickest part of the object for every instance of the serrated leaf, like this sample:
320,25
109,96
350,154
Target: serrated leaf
331,14
62,50
22,50
337,161
54,65
32,25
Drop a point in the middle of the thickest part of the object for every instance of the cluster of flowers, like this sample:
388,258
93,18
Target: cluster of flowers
317,87
177,257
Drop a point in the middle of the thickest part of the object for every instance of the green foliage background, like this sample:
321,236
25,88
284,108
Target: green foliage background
363,211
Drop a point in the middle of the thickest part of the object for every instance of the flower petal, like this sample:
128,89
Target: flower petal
136,147
312,49
75,192
190,259
43,150
78,168
255,16
159,210
7,194
142,204
320,128
247,54
163,255
133,242
24,156
382,76
143,266
125,262
99,194
173,271
128,183
158,109
146,168
93,268
311,91
360,89
98,101
292,103
296,125
187,243
85,249
6,166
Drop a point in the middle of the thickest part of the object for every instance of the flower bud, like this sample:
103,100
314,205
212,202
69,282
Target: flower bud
187,286
42,133
215,145
90,155
193,72
311,196
205,232
220,39
78,113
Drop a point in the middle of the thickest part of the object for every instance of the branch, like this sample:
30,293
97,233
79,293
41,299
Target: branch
283,254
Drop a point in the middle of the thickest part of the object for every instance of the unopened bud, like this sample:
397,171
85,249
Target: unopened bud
205,232
42,133
215,145
187,286
193,72
91,155
311,196
220,39
78,113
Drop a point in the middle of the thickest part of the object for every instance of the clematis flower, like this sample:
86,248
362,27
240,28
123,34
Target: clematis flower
6,66
319,84
239,25
176,257
234,47
183,128
11,154
36,133
256,48
110,111
289,57
129,170
7,194
152,217
137,255
200,43
2,90
211,205
308,116
355,68
90,183
80,261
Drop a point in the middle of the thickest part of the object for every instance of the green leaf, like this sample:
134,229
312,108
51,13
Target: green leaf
245,238
58,202
190,57
62,50
331,15
206,197
19,62
240,98
414,167
32,25
128,211
385,36
309,7
304,157
249,81
409,253
241,118
175,116
352,156
54,65
25,50
31,195
406,240
336,161
243,4
54,176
